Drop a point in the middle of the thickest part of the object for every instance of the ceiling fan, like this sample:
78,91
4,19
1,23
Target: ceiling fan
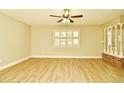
66,17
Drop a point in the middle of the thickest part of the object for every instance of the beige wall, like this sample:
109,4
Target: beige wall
114,21
122,18
14,40
42,41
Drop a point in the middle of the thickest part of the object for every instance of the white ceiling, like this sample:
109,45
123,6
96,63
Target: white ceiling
41,16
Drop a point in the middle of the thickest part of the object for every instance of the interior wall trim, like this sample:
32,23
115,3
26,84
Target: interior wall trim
19,61
87,57
13,63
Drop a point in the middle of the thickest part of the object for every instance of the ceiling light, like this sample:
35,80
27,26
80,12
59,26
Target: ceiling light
66,20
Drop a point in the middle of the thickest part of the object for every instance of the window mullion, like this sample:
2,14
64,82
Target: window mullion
66,38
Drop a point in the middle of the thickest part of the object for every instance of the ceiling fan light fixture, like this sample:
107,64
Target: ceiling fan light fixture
66,20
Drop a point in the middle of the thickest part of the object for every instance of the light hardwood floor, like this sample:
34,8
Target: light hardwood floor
62,71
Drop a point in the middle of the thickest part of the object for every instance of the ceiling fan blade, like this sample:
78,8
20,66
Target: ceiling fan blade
71,21
55,16
60,20
76,16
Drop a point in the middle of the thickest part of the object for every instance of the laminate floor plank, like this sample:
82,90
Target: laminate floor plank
60,70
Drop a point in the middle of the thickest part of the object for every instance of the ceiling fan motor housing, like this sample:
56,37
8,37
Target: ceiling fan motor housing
66,13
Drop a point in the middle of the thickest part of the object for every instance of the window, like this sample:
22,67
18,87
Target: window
66,38
109,38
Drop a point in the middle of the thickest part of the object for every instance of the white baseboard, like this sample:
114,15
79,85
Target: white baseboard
13,63
87,57
19,61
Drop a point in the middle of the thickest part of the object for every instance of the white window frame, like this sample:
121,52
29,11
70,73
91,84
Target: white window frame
67,46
